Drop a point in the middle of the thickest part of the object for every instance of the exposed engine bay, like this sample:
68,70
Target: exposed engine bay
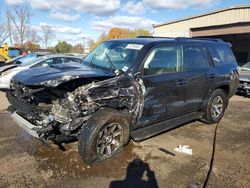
58,113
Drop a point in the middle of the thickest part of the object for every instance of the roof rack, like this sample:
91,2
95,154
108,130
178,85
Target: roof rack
185,38
154,37
200,38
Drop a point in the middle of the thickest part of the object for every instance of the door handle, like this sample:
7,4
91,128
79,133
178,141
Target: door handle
181,82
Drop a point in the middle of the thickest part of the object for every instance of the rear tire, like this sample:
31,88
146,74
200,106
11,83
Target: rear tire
215,107
105,134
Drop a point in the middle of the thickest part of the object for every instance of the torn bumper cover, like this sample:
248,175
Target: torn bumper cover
27,126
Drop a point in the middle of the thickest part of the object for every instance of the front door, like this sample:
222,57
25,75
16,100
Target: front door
164,81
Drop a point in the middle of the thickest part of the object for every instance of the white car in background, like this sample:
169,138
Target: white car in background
7,74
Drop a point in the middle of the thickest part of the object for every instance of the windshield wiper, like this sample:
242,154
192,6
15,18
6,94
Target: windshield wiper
111,63
91,61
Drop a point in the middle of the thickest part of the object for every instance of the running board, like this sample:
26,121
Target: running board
160,127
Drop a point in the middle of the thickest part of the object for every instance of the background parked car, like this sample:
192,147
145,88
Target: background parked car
17,61
14,52
8,72
244,85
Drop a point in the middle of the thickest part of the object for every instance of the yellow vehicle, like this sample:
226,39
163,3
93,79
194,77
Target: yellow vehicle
4,51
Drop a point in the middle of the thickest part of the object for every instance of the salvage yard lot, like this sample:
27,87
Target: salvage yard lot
26,162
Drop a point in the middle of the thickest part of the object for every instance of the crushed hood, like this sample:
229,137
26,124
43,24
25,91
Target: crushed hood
54,75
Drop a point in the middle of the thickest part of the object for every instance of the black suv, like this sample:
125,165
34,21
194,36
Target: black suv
127,88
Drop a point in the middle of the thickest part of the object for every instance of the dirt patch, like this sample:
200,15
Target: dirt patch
3,102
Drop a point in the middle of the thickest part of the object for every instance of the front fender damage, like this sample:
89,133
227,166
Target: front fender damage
64,112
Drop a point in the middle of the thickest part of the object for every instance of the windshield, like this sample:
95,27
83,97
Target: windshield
111,55
246,66
30,60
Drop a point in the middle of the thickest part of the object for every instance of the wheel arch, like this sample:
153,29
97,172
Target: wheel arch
93,125
225,86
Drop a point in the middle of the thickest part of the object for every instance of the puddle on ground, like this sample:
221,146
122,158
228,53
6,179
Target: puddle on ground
69,163
55,161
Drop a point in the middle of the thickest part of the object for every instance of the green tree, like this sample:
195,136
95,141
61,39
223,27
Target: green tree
63,47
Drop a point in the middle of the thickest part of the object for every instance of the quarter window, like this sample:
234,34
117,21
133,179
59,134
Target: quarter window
166,59
223,55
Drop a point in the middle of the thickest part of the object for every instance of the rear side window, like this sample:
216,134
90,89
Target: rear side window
165,59
72,60
195,57
53,61
223,55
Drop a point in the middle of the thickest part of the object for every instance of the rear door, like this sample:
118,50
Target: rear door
201,73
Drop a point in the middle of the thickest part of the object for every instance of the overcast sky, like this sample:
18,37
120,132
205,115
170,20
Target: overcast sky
74,19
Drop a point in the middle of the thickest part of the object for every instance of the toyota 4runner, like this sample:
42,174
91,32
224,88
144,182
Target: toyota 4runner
127,88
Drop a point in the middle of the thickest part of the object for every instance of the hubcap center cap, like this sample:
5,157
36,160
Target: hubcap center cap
108,139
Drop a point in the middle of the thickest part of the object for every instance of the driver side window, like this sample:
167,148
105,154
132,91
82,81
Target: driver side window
164,59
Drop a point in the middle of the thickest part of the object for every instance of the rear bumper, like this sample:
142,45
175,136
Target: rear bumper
27,126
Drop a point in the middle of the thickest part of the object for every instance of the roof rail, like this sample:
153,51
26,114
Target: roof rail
185,38
154,37
209,39
200,38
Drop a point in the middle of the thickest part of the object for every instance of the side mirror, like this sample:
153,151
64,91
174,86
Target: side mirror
138,75
45,65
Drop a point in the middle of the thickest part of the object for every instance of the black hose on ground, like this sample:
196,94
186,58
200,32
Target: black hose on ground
212,158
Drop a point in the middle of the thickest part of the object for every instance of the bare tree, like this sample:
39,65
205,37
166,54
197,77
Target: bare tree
20,19
48,34
32,36
9,26
78,48
3,32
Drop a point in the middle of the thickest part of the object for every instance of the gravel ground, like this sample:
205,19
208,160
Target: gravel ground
26,162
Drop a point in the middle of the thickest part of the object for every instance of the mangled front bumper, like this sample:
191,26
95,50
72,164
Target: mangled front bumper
27,126
17,108
244,87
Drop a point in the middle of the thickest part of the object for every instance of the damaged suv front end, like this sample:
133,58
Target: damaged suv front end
54,103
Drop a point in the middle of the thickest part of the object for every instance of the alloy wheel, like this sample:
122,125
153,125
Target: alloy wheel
217,107
109,140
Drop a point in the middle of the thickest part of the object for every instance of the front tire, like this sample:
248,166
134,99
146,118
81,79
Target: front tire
105,134
215,107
